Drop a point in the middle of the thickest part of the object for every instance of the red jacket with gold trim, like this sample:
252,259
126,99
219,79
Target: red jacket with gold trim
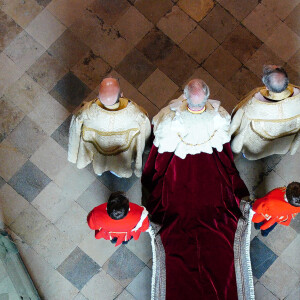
273,208
135,222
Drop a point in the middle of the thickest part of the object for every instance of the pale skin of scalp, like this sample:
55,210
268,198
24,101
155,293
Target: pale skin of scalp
109,92
196,95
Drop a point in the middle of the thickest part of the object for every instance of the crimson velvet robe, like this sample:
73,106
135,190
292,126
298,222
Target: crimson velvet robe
196,201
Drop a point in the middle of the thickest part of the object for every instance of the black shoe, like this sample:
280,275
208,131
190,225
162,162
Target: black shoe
265,233
126,242
114,240
258,225
268,230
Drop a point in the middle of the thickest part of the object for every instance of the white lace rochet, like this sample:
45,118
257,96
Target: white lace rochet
182,132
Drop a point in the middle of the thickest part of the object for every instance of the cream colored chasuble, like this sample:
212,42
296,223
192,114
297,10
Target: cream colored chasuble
113,139
262,128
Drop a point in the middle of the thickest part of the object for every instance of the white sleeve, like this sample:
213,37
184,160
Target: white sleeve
145,130
236,121
74,138
295,144
221,127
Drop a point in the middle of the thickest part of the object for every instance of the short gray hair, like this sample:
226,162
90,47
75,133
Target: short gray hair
275,78
193,87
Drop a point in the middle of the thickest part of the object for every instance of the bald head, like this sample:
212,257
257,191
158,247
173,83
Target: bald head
109,91
275,78
196,93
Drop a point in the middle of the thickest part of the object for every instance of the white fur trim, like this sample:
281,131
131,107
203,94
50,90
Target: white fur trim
177,130
154,261
242,261
143,217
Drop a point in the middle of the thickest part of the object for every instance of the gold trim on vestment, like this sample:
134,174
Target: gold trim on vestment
118,149
121,107
86,105
277,96
268,137
123,102
277,120
189,144
251,95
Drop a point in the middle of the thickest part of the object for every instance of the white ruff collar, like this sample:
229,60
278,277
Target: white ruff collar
177,130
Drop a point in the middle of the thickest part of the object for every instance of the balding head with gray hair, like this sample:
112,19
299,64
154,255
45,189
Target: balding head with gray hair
196,93
275,78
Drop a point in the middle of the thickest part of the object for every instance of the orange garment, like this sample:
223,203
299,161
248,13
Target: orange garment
135,222
273,208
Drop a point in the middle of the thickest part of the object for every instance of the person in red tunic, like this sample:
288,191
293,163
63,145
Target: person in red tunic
118,220
195,193
280,205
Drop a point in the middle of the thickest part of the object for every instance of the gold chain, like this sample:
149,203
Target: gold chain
196,144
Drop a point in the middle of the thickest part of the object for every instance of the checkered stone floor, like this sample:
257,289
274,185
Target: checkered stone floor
54,53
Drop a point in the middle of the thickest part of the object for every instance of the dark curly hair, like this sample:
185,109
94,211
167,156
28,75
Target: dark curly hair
293,193
117,205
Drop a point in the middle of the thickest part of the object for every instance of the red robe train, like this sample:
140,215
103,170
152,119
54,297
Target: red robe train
196,200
